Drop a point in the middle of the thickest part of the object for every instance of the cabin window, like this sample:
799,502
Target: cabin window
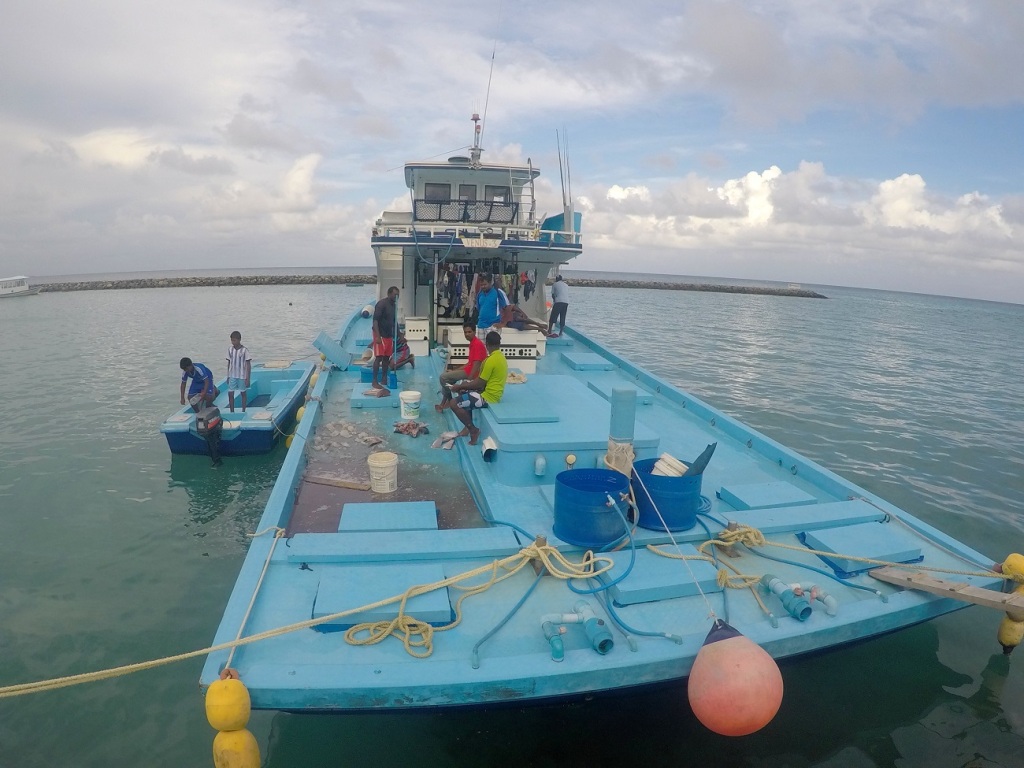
494,193
467,192
437,193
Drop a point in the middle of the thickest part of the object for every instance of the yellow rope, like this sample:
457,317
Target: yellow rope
620,457
416,634
403,626
722,577
753,537
278,533
548,555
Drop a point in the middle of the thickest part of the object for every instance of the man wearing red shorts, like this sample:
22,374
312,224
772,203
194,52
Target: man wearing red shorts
384,331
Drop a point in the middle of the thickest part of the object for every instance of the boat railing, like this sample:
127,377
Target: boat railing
474,232
467,211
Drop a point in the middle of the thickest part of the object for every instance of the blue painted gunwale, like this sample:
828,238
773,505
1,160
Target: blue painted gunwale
313,671
243,435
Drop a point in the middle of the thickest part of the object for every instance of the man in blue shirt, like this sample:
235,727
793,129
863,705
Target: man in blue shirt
489,302
202,390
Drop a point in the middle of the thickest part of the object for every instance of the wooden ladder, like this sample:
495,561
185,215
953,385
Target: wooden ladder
957,590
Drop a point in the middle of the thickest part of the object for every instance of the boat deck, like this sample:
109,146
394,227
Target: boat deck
459,510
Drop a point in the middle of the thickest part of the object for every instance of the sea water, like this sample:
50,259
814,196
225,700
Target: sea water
113,552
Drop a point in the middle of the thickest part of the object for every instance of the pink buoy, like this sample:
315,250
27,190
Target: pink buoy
735,686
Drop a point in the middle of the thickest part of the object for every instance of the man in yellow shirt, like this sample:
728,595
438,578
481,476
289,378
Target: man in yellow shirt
478,393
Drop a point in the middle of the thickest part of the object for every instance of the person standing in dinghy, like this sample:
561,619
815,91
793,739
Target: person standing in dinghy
239,371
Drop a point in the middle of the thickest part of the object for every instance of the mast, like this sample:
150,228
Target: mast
476,149
568,215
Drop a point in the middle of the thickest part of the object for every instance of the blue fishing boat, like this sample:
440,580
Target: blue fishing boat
602,525
276,392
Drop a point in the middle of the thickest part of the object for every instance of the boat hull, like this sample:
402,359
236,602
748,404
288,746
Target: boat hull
311,670
510,570
16,294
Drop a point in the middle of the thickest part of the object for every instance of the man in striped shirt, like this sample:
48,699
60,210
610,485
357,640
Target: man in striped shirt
239,370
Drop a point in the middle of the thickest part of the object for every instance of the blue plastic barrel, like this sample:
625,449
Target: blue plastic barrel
582,514
677,498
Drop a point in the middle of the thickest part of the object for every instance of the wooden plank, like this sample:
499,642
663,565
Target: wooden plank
336,482
957,590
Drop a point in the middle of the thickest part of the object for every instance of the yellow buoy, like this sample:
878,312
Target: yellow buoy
236,749
227,708
323,357
313,379
300,413
1011,628
227,704
1013,566
288,441
1010,634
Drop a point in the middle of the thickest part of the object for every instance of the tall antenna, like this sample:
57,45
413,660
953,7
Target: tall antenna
561,169
487,97
565,176
568,169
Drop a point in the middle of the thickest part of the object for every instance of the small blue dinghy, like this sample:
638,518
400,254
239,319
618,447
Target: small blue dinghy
276,391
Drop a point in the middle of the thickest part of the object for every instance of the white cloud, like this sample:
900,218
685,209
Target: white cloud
892,231
133,133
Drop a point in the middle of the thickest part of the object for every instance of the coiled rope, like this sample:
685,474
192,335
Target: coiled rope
552,560
749,536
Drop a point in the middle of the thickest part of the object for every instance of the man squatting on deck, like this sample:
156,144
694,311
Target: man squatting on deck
477,355
384,318
469,396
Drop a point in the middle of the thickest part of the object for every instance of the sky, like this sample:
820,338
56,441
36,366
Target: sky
867,143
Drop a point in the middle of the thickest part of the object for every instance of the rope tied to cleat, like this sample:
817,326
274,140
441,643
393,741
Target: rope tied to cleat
417,636
555,563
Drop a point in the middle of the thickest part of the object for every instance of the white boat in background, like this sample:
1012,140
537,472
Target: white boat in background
16,286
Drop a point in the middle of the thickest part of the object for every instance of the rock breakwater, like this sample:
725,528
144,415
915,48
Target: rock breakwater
354,280
661,285
209,282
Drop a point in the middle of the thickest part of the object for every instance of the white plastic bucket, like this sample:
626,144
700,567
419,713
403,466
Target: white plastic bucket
383,471
410,400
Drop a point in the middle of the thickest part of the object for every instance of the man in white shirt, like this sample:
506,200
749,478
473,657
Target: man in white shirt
559,306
